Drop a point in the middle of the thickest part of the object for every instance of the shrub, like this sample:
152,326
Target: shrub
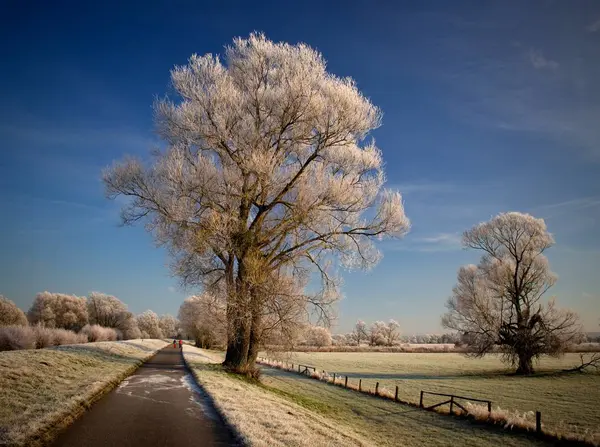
16,337
95,332
65,337
10,314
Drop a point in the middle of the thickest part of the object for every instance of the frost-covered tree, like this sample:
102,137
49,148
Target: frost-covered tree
108,311
376,334
169,325
10,314
204,318
359,334
57,310
267,172
498,302
148,324
391,332
317,336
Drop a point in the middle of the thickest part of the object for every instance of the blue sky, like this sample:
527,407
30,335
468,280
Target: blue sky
488,107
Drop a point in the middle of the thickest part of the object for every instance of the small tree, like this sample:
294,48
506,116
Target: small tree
148,323
57,310
360,332
10,314
391,332
498,302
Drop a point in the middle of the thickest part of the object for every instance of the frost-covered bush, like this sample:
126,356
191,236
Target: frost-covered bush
317,336
95,332
16,337
10,314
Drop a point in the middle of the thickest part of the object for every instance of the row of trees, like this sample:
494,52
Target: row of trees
98,310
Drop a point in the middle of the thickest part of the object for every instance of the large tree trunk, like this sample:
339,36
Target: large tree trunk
255,335
525,364
239,320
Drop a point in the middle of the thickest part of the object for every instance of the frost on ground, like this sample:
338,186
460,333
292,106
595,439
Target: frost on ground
279,421
42,388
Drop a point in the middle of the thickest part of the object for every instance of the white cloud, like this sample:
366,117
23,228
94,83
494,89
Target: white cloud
540,62
435,243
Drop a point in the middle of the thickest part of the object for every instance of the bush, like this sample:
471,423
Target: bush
65,337
16,337
95,332
10,314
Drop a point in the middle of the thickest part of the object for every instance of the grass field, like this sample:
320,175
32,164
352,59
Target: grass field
381,422
568,402
44,389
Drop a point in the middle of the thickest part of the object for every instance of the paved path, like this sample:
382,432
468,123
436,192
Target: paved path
159,405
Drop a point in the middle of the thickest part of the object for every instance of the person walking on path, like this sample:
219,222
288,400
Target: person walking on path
180,345
174,343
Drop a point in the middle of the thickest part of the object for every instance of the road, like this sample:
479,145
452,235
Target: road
159,405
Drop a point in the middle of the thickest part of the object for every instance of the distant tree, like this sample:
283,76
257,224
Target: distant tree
148,323
203,317
57,310
340,340
376,335
10,314
108,311
317,336
360,332
169,325
391,332
267,172
497,303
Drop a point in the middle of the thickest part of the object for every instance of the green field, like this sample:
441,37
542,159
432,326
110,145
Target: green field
568,402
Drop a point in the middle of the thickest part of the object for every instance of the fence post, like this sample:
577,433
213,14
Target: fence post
490,407
346,382
377,388
359,384
421,400
538,422
298,368
292,366
451,404
396,396
334,378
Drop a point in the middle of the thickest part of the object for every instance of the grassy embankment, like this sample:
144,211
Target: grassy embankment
42,391
568,402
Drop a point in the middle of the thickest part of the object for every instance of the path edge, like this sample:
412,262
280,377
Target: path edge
238,436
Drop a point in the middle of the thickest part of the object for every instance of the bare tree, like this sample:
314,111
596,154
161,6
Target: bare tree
266,171
391,332
148,323
498,302
10,314
360,332
57,310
